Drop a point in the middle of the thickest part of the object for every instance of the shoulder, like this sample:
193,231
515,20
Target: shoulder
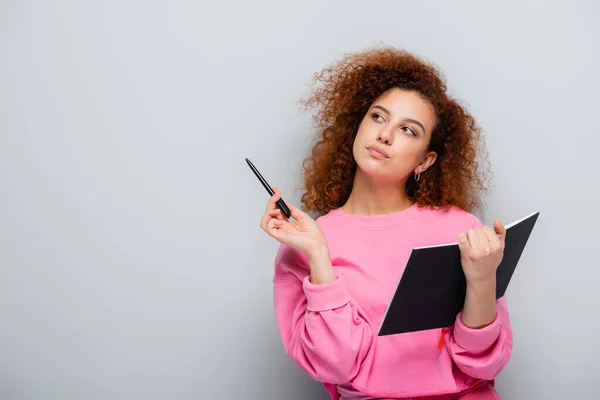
441,225
444,224
451,215
329,219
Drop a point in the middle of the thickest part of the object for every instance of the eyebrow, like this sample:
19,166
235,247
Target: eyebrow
414,121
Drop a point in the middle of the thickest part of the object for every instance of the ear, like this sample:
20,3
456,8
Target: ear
427,162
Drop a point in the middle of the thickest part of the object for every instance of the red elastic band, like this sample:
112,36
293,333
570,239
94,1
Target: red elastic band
441,342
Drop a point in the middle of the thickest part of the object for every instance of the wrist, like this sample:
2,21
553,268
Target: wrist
321,270
482,284
480,304
318,251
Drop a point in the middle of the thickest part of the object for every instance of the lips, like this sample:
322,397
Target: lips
377,152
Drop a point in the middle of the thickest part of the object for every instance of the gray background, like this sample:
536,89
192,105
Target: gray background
132,263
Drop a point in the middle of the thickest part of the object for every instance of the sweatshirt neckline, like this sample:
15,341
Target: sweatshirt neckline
376,221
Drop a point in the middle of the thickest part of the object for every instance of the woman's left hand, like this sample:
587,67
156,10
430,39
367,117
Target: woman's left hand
481,252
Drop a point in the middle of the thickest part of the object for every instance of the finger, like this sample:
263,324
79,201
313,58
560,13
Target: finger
500,230
276,214
267,216
271,203
295,211
265,220
473,237
489,234
484,242
274,228
463,242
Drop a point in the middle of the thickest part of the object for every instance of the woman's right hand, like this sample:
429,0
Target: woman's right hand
304,235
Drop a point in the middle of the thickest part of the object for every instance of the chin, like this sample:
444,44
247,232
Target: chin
380,170
375,169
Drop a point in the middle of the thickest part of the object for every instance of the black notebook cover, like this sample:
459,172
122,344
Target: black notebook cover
431,291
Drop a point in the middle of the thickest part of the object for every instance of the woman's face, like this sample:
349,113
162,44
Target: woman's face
393,137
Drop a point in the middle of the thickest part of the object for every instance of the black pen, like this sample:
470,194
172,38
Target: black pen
280,203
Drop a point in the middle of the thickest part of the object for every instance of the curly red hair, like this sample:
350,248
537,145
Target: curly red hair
348,88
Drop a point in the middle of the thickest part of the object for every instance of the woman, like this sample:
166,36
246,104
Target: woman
395,168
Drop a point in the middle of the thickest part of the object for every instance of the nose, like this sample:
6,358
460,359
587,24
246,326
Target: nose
385,136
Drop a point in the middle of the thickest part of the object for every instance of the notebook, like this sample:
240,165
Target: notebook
431,290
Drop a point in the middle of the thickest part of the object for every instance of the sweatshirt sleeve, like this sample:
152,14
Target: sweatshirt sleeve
322,328
482,353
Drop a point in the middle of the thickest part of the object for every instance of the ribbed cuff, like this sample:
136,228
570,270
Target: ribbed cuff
476,339
326,296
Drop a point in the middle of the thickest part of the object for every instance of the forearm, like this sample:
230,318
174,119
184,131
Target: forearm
321,270
323,329
481,340
480,304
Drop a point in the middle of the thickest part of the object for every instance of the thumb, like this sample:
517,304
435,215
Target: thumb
295,211
499,228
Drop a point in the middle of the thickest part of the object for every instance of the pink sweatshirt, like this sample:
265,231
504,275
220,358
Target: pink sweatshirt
330,330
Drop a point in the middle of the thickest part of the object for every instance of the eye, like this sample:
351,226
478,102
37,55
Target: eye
377,117
409,130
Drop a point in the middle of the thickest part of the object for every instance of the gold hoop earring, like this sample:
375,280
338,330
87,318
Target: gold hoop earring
417,176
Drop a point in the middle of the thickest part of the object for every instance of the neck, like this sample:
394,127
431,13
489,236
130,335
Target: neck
370,197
